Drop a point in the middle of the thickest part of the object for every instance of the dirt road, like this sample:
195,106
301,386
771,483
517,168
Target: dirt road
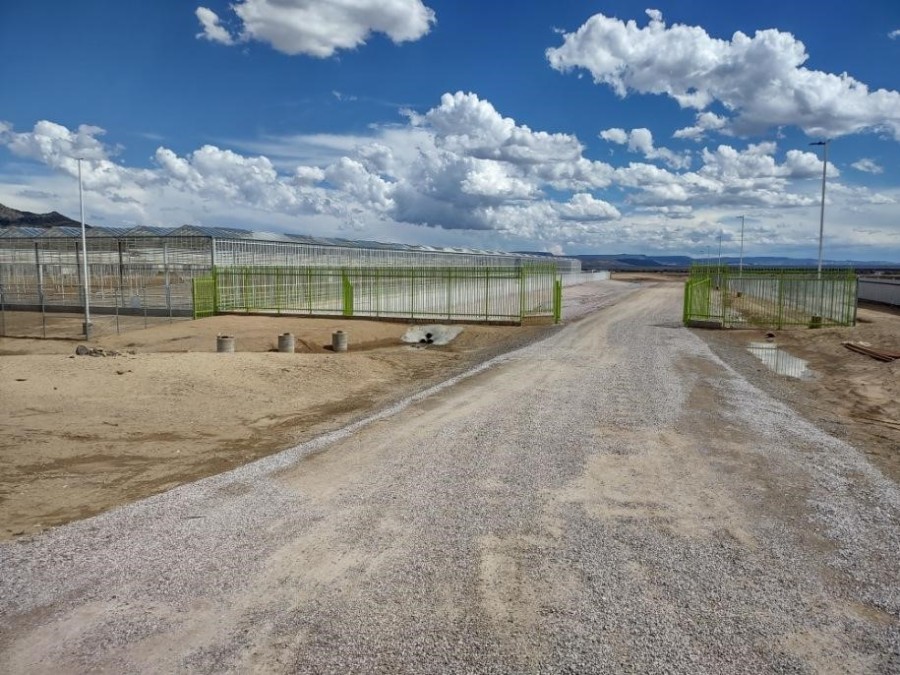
612,499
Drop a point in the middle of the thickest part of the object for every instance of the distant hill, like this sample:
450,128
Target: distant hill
627,261
13,218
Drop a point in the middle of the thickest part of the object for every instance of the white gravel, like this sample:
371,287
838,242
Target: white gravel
612,499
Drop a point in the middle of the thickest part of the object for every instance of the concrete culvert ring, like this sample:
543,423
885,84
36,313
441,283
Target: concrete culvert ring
432,334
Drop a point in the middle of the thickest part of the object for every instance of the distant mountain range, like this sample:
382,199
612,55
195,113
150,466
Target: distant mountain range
13,218
627,261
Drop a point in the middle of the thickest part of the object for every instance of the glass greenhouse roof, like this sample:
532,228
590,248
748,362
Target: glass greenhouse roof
232,234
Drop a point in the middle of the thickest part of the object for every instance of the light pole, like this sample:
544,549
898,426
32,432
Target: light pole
824,145
719,263
84,265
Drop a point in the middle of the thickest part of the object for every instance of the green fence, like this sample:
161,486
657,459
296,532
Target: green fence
729,298
203,291
477,294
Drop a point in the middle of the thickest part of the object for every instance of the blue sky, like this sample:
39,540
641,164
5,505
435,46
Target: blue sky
566,126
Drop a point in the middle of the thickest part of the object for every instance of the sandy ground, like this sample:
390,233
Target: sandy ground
79,435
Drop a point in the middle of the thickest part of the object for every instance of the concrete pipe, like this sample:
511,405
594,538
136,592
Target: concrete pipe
286,343
225,344
339,341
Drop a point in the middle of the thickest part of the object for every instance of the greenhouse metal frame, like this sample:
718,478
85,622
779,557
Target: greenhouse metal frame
164,272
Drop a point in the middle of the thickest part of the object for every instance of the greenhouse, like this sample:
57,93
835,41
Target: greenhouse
199,271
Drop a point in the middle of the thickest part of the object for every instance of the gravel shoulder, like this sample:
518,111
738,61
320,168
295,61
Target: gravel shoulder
613,498
849,395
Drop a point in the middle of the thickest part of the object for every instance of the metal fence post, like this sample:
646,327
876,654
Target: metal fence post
780,322
40,287
347,299
166,270
279,291
449,283
487,292
557,301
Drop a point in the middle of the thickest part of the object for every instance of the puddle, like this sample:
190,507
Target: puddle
780,361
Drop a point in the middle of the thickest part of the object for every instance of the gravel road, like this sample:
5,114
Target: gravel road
612,499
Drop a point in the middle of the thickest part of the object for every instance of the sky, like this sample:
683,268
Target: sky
569,126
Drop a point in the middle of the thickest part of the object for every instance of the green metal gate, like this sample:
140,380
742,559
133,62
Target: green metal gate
477,294
203,291
731,298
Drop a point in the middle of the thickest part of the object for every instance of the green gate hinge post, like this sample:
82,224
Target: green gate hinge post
215,290
557,301
348,294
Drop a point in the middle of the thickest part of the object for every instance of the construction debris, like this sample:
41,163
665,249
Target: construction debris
82,350
879,354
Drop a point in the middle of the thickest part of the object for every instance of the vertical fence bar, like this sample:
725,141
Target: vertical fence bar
448,281
245,288
557,301
412,293
521,281
780,310
378,291
279,290
487,282
347,294
168,285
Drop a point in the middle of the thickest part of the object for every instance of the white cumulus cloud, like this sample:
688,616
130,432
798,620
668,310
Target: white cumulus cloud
468,125
320,28
761,79
867,165
461,167
585,207
705,122
615,135
894,34
641,140
309,174
212,28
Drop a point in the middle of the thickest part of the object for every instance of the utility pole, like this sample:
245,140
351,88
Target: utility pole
741,263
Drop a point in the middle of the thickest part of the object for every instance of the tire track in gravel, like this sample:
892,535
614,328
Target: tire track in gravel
611,499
